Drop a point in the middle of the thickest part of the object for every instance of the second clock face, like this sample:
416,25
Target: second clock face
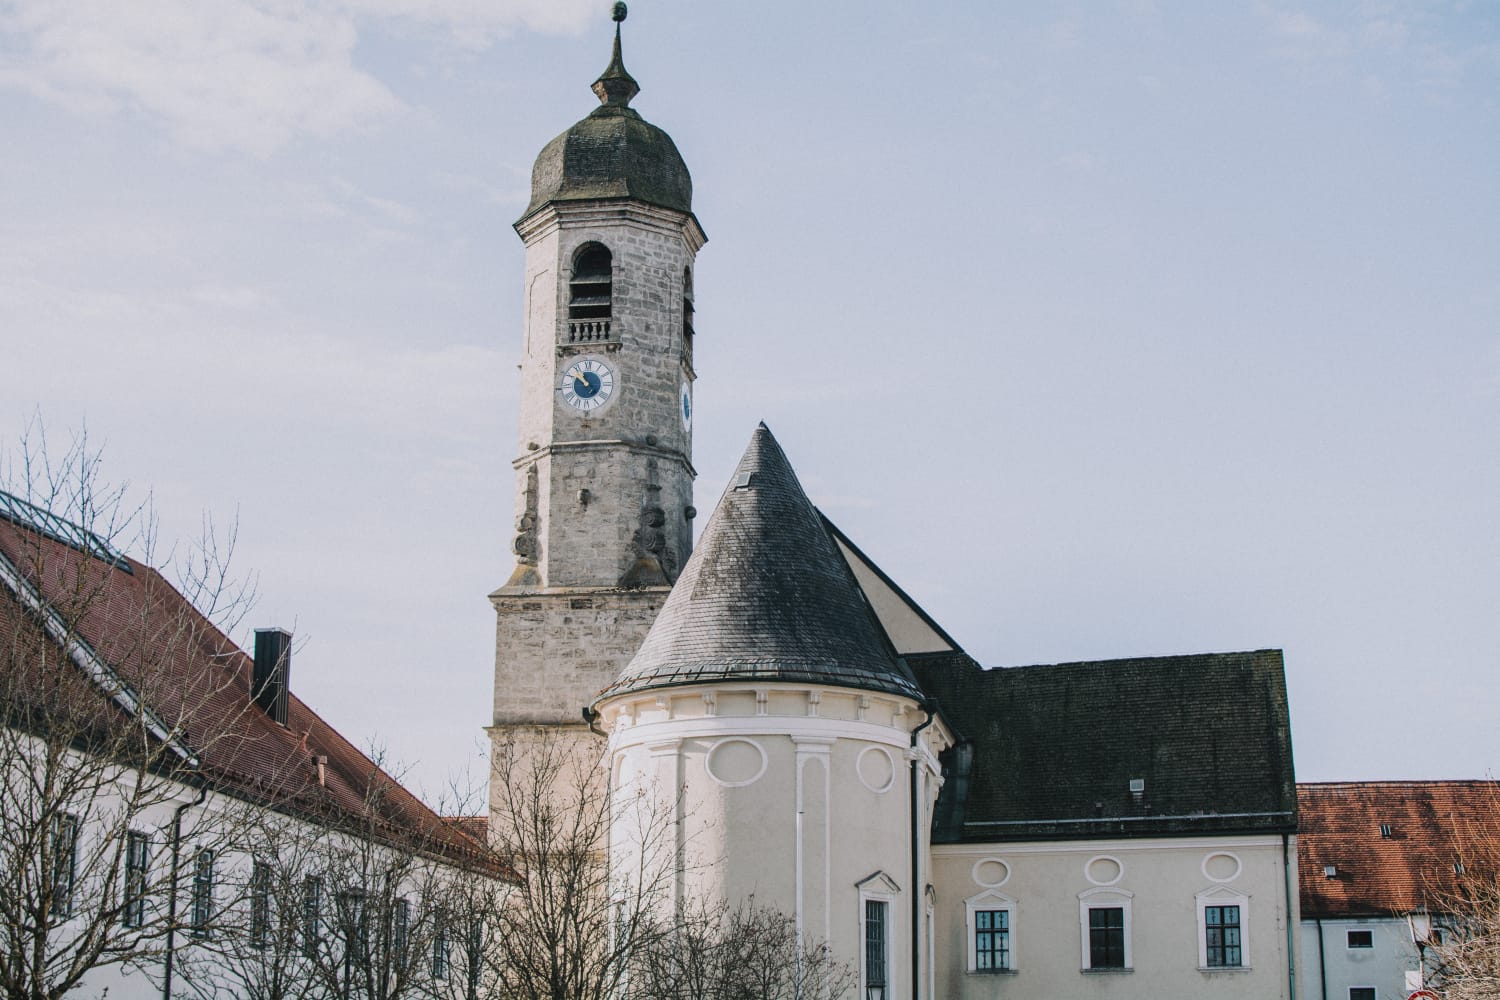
587,384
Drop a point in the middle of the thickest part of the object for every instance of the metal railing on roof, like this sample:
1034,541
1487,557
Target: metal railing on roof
38,519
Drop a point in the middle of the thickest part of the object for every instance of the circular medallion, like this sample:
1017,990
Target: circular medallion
587,383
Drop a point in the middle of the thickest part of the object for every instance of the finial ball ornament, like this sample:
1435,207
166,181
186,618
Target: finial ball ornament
620,11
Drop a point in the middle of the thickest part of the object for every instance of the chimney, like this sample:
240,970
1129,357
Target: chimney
273,668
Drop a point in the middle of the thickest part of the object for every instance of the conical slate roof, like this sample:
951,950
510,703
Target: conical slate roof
766,597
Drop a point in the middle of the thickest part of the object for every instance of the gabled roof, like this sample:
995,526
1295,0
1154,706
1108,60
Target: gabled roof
125,616
1432,824
766,596
1050,751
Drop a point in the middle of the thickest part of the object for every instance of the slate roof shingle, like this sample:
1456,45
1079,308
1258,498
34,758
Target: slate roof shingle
766,596
1054,747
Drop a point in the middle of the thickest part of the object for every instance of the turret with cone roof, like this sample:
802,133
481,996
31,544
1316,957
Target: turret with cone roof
766,596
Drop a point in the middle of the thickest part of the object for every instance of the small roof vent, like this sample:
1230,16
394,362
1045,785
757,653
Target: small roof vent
1330,871
1385,830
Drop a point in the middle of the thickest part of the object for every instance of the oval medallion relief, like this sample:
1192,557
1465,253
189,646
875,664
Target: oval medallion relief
876,769
1103,870
1221,867
990,873
735,762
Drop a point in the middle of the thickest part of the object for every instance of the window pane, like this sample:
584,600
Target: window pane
137,853
874,942
992,939
203,892
260,904
1107,937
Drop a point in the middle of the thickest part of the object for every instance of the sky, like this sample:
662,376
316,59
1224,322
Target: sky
1106,329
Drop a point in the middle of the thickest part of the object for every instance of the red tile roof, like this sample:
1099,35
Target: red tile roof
1432,824
190,672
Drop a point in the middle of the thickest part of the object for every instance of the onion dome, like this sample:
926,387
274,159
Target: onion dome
766,596
613,153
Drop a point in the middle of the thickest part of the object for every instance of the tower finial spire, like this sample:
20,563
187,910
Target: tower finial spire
615,87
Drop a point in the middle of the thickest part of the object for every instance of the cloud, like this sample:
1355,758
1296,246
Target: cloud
247,75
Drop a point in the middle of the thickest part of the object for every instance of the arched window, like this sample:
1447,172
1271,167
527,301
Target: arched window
590,293
687,316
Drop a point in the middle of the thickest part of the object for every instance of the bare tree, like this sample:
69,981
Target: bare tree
570,922
351,905
1462,945
749,952
109,853
597,905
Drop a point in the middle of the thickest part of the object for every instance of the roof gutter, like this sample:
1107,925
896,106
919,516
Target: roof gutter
930,708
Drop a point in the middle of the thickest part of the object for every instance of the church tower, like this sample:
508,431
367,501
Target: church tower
604,472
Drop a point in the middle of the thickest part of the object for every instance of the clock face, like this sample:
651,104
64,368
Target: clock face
687,405
587,384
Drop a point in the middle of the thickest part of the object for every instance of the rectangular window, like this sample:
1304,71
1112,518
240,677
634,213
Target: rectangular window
354,933
875,960
440,950
137,864
260,904
1361,939
1107,937
401,931
312,915
64,863
1221,926
203,893
1361,993
991,940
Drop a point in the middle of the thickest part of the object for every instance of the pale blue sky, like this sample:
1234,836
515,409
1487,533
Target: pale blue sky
1107,329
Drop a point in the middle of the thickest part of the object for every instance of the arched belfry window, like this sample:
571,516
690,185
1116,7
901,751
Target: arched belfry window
590,294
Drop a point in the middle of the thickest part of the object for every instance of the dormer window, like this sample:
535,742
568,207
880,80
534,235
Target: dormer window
590,294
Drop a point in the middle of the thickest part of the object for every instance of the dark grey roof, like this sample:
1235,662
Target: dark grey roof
767,597
1049,751
613,153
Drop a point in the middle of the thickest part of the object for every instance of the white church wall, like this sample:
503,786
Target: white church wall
1159,887
795,795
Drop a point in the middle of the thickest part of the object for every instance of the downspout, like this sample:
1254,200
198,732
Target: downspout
592,718
167,963
929,707
1322,967
1291,931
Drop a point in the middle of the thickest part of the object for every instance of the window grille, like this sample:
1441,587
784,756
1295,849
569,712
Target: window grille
1221,925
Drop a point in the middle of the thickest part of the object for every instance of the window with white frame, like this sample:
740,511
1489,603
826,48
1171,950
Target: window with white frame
877,911
990,918
137,863
201,916
1104,926
1223,928
64,863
